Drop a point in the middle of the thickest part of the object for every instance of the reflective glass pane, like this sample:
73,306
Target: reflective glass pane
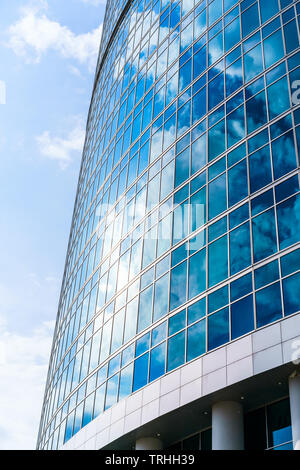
268,305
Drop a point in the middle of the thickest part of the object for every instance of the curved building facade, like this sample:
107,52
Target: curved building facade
179,310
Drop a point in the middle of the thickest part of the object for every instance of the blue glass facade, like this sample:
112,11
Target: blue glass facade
186,226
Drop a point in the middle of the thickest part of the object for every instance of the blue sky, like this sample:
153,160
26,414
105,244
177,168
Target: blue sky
48,52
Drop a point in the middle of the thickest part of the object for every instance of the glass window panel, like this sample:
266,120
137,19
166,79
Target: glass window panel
131,317
145,308
196,311
216,140
114,365
78,418
290,263
99,400
234,77
88,410
161,297
260,169
218,299
215,48
264,235
217,196
159,333
256,112
291,36
176,351
259,140
196,340
232,34
199,154
240,250
117,335
185,75
217,229
266,274
178,286
241,287
278,98
142,344
157,362
182,167
125,382
218,328
262,202
268,305
140,375
177,322
216,91
237,183
218,261
198,210
179,254
287,188
284,155
268,9
216,169
242,317
197,273
184,118
291,294
279,423
127,354
288,216
111,391
250,20
235,126
238,216
199,105
273,48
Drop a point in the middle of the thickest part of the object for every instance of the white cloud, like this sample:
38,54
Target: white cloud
34,34
23,370
62,149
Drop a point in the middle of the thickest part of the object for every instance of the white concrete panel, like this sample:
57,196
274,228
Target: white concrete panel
151,392
267,359
214,381
290,327
170,382
132,421
169,402
116,430
190,392
191,371
133,402
150,411
240,370
214,360
267,337
239,349
118,411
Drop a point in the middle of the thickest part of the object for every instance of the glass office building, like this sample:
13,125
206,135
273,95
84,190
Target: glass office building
179,308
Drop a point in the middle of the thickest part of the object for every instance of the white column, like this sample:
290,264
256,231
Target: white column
294,388
227,426
148,443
